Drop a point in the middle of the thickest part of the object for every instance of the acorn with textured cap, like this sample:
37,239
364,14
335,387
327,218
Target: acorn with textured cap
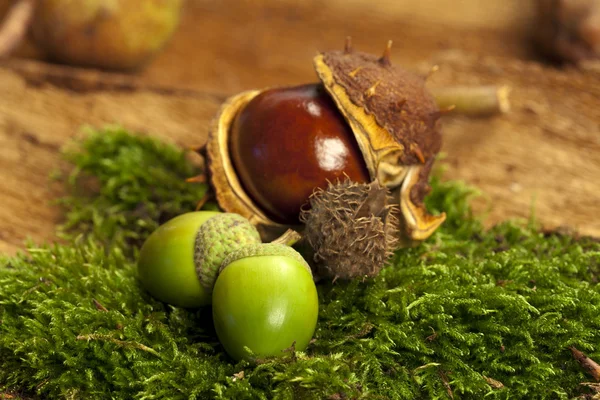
179,262
264,301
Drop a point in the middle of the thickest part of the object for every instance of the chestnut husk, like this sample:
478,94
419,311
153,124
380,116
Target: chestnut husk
394,119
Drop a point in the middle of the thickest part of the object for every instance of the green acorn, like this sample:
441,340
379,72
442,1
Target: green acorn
179,261
264,300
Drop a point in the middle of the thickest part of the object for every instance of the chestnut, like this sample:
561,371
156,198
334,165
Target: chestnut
366,120
288,141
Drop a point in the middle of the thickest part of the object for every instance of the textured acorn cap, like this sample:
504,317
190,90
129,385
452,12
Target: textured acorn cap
216,238
351,229
264,249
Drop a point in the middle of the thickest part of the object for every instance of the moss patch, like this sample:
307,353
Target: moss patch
470,313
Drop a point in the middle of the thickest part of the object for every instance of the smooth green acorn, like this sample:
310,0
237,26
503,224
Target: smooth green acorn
178,262
264,300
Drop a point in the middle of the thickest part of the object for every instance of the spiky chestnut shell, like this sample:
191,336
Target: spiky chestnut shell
178,262
264,300
392,117
388,107
351,229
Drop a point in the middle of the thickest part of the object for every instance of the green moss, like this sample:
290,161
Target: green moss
465,307
124,186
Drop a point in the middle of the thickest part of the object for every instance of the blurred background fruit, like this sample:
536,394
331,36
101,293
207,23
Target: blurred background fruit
115,34
107,34
569,30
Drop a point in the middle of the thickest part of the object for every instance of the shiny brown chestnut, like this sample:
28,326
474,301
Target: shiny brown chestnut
269,150
288,141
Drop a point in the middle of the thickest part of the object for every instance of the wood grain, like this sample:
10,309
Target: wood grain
544,154
233,45
37,119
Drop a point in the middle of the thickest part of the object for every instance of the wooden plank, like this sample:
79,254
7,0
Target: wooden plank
37,119
545,152
230,45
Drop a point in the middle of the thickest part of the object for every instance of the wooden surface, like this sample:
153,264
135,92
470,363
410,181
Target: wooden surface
545,153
